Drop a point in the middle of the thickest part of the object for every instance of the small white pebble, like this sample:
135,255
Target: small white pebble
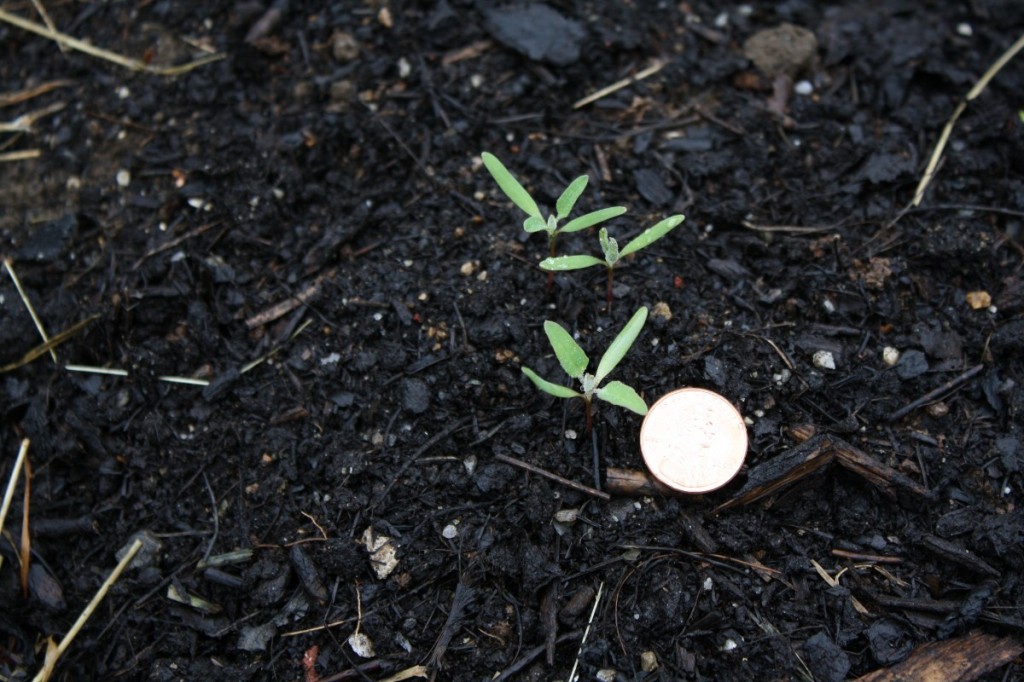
804,87
476,80
964,29
567,515
196,202
722,20
404,68
708,584
470,464
829,306
890,356
123,92
124,178
823,359
450,532
729,645
570,434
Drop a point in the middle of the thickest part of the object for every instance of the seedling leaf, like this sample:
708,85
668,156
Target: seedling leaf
565,263
593,218
621,395
510,186
534,224
548,387
610,248
652,234
569,197
572,358
621,345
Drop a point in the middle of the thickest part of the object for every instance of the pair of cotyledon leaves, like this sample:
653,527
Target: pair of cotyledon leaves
574,361
563,207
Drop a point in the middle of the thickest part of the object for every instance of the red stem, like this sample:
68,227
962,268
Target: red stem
609,292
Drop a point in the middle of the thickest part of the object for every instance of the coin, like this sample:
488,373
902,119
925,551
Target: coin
693,440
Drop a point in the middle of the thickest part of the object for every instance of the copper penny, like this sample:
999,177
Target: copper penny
693,440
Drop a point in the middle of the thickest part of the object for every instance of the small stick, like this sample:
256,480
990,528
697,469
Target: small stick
979,87
289,304
11,485
583,641
92,50
44,674
26,535
859,556
654,68
89,369
20,155
24,123
932,395
9,98
554,477
28,305
48,21
52,343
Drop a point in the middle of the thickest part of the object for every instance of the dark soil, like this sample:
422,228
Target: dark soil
305,225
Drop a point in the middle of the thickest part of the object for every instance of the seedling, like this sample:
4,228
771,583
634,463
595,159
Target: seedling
535,220
574,361
612,253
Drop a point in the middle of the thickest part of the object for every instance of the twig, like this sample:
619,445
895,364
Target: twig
11,485
20,155
834,582
216,520
860,556
26,535
525,660
654,68
979,87
48,21
438,437
586,632
793,229
28,306
20,96
174,242
286,306
52,343
24,123
92,50
554,477
43,675
932,395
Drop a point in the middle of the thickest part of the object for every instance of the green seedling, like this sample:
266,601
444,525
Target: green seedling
574,361
535,220
612,253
